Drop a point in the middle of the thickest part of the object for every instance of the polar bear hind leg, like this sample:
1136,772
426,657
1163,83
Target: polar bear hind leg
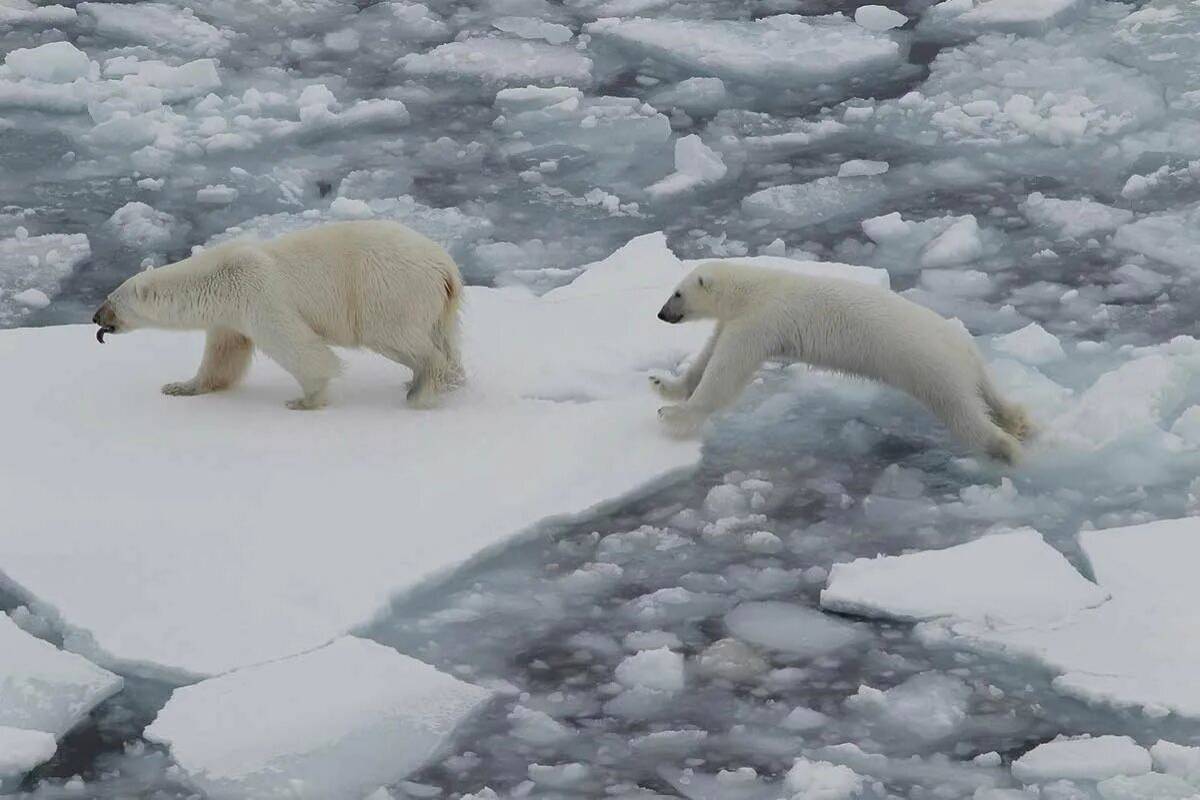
226,358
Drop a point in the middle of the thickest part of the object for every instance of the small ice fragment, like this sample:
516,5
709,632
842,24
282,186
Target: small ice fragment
879,18
660,669
858,167
1032,344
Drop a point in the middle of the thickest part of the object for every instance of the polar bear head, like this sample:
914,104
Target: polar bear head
136,303
703,294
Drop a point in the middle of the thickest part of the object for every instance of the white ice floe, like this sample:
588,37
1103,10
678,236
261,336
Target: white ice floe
790,628
416,495
164,26
1082,758
859,167
784,51
498,62
1073,219
1006,595
1032,344
338,721
1024,17
929,706
20,751
659,669
1012,577
820,780
1171,237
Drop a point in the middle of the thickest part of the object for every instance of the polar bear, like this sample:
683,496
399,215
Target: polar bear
371,284
835,324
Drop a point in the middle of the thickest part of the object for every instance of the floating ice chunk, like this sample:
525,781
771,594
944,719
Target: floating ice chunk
1073,219
21,13
1013,578
216,195
56,62
820,780
878,18
1032,344
46,689
334,722
495,61
31,298
695,165
21,750
661,670
160,25
1149,786
559,776
804,719
143,228
1177,759
957,282
693,95
929,706
831,198
790,628
958,244
537,727
887,227
531,28
952,776
1084,758
1133,400
1024,17
726,500
782,51
731,660
859,167
1172,237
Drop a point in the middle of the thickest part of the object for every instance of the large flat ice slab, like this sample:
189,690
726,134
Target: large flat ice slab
1137,649
1015,577
784,51
205,534
335,722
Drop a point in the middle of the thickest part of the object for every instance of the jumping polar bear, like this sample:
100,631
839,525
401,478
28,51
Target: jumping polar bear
374,284
836,324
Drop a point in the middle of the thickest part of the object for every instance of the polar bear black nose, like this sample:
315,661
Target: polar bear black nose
105,316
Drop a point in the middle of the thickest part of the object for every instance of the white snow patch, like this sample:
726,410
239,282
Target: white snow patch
21,750
334,722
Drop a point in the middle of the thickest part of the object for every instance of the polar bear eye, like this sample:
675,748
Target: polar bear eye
701,282
677,294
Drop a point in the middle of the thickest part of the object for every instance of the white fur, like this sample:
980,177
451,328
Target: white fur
377,285
836,324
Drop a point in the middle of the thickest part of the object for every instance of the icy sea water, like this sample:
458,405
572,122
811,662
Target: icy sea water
817,470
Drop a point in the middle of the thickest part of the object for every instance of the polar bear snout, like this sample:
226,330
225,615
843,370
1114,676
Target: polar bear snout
106,317
672,310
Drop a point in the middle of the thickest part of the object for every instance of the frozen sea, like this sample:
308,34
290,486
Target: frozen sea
1030,167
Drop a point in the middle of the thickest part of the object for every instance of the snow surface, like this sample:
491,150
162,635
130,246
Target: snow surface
416,494
21,750
1012,595
334,722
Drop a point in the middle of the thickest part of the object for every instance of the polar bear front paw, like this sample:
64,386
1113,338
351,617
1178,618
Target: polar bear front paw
681,421
305,404
182,389
668,388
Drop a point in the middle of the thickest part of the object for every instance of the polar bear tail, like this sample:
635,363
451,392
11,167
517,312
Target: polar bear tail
445,330
1011,418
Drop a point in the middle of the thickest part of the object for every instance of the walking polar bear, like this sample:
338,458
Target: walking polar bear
840,325
377,285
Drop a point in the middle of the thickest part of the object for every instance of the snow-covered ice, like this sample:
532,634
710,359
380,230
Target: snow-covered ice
21,750
1012,578
1123,642
337,721
794,629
